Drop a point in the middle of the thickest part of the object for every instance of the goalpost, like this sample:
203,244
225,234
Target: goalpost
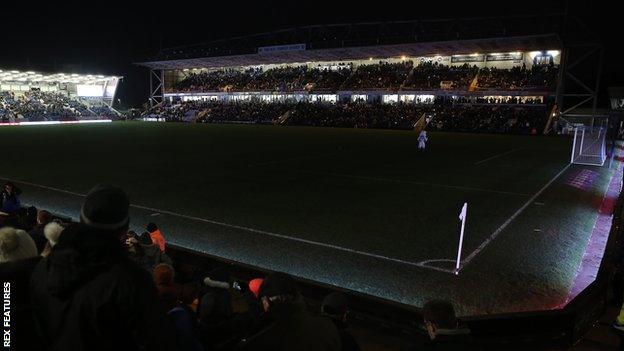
589,144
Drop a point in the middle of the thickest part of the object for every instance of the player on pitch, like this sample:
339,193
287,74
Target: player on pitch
422,140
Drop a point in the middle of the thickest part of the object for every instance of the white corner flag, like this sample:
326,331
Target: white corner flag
462,218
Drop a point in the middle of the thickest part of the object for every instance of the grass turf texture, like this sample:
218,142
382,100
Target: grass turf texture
370,191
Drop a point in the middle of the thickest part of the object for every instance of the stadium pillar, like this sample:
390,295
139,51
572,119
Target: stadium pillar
157,86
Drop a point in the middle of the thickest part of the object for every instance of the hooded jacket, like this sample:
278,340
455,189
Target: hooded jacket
88,295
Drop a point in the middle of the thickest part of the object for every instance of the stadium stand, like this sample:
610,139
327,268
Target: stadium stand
426,76
494,115
31,97
441,92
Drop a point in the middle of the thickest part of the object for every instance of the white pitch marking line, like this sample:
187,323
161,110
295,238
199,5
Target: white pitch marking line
494,234
390,180
248,229
497,156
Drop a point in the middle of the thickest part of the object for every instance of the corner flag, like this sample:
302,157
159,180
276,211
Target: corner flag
462,218
462,214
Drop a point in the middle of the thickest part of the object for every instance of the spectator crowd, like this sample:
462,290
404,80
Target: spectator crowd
96,285
493,115
403,75
45,106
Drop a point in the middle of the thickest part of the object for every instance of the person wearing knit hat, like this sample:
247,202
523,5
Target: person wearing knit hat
52,232
106,208
89,270
293,328
16,244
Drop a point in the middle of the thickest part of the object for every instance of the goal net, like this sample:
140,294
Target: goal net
589,145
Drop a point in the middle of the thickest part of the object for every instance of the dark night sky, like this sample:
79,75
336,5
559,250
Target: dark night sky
106,37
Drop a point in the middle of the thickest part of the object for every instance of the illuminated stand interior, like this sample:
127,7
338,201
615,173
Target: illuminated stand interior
504,60
89,88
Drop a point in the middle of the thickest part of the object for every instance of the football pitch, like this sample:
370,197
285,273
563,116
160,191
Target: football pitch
363,210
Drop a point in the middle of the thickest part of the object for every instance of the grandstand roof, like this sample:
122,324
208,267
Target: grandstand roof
31,77
491,45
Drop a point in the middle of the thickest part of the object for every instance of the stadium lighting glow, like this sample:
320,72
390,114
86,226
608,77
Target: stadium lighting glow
553,52
36,77
403,57
86,121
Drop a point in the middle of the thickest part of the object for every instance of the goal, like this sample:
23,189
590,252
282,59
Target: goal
589,145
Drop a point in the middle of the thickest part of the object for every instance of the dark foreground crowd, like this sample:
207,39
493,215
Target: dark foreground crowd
95,285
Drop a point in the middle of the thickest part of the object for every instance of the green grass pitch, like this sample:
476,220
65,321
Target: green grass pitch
355,195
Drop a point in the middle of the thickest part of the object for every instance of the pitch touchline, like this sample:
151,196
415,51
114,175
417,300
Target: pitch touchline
390,180
248,229
493,236
497,156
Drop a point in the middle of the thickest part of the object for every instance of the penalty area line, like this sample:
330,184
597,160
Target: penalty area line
422,264
511,218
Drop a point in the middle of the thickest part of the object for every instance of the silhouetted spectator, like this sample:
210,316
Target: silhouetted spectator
292,327
9,198
219,326
184,322
18,258
444,329
335,307
168,289
88,295
43,217
143,250
16,244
